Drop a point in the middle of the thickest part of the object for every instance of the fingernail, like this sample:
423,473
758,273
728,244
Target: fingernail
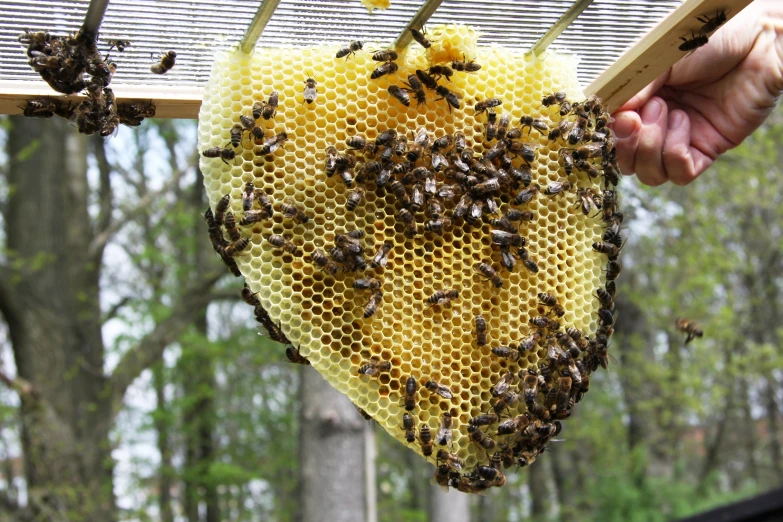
623,126
651,111
676,120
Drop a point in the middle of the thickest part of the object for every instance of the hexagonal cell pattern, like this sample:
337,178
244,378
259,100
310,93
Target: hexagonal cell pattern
320,312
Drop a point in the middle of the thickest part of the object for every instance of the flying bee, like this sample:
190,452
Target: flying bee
450,458
273,143
420,38
383,70
503,238
270,107
506,352
382,256
696,41
492,125
409,427
479,437
442,297
556,187
689,328
374,367
451,97
350,50
441,71
485,105
481,330
425,439
292,211
440,389
490,273
443,437
505,401
465,65
513,425
532,123
551,99
310,91
219,152
410,393
320,259
354,199
283,244
236,247
165,64
711,24
400,94
120,45
376,298
293,355
502,386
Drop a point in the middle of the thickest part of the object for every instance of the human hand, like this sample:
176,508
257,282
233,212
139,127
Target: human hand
707,103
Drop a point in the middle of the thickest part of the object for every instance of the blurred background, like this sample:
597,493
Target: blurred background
134,384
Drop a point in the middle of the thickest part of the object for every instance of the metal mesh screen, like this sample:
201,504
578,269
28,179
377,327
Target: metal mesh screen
196,29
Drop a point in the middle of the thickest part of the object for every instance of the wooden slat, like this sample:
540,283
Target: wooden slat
656,51
170,102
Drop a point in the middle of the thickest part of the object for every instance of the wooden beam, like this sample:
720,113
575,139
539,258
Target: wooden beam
170,102
656,51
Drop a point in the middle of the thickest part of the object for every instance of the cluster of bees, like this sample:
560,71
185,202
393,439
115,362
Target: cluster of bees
702,36
71,64
439,183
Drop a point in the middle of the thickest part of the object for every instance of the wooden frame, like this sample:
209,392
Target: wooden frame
642,63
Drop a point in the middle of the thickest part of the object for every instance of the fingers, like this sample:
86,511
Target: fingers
648,159
682,162
627,126
645,94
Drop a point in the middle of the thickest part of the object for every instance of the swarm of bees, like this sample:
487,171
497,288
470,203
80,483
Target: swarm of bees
710,24
434,184
70,64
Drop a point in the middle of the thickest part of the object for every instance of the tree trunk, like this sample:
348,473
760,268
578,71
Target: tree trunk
560,482
748,434
773,419
539,491
331,446
162,424
453,506
49,297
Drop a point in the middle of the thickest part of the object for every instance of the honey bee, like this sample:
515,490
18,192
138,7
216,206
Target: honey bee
696,41
532,123
525,258
530,342
492,125
689,328
443,437
310,91
438,225
270,107
551,301
236,247
606,248
483,420
373,304
348,243
320,259
400,94
236,135
409,427
374,367
613,269
385,56
557,187
282,243
425,439
273,143
485,105
292,211
450,458
382,256
465,65
120,45
249,124
356,142
231,227
367,283
711,24
563,393
542,321
274,332
441,71
481,330
505,401
253,216
451,97
410,395
492,475
263,200
440,389
442,297
350,50
40,108
490,273
503,238
530,388
293,355
589,199
219,152
568,344
420,38
538,411
249,296
507,259
220,209
506,352
551,99
503,123
165,64
513,425
526,194
383,70
479,437
502,386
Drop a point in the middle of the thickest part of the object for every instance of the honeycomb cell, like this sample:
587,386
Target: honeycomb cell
321,312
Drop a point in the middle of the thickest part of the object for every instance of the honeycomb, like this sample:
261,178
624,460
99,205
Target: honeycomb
376,4
320,312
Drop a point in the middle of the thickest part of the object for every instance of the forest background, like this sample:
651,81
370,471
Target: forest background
134,384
